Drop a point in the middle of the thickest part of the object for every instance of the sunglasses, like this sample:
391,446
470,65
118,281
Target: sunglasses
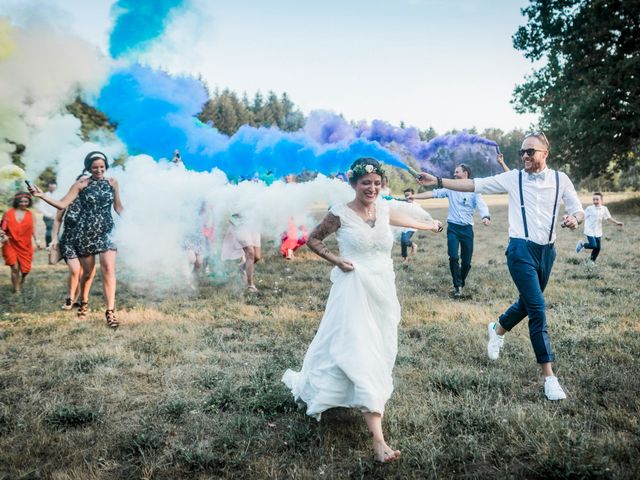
530,152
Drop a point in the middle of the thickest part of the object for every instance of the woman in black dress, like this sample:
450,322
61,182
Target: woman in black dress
92,233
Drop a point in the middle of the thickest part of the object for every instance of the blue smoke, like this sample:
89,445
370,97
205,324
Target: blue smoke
138,22
156,113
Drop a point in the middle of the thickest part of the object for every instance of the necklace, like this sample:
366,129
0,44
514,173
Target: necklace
369,212
369,215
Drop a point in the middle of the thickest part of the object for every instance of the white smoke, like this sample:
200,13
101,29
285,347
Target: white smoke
162,202
45,70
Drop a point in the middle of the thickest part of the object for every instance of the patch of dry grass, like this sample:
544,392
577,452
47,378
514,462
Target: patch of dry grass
189,386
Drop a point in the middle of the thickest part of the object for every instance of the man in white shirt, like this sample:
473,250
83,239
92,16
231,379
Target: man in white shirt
534,194
593,217
48,212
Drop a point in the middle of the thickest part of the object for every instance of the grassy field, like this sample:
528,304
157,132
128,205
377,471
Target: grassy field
189,386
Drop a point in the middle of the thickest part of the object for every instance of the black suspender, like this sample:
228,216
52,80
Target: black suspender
555,206
524,215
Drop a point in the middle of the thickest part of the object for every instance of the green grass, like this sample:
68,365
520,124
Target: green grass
189,386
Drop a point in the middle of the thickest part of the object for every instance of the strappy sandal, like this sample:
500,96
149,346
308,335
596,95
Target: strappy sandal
68,304
83,308
110,316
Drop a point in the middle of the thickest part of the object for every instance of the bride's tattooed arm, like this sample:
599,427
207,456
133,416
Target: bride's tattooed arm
330,224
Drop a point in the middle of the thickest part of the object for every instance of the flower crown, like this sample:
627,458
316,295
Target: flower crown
362,169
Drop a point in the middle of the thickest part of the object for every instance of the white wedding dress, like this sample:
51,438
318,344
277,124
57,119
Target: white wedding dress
350,360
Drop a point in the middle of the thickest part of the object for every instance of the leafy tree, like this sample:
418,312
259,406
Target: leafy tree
228,113
588,86
428,134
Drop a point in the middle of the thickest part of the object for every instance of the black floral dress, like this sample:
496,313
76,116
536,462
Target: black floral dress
67,250
92,233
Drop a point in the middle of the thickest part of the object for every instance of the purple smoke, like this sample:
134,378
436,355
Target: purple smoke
439,155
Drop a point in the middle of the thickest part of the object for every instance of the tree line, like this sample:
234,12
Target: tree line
227,113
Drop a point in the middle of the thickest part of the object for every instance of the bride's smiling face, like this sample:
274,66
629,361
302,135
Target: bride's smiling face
368,188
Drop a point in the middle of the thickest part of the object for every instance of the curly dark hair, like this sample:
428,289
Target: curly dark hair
359,169
19,196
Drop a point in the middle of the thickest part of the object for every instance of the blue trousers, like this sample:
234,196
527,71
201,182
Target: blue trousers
459,238
405,241
594,244
530,267
48,233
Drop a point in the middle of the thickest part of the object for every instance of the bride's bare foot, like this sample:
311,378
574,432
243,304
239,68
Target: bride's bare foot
383,453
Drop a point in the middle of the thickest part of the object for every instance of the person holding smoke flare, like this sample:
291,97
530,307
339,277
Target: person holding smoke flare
18,230
68,219
534,193
350,361
92,233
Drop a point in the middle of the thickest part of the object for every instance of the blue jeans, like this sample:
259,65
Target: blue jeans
405,241
530,267
459,237
48,223
594,244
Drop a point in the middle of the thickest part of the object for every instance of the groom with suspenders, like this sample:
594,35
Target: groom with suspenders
534,196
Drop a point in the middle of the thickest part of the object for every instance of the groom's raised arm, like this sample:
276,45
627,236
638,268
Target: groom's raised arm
460,184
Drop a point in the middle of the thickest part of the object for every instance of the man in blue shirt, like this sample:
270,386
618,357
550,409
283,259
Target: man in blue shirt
460,226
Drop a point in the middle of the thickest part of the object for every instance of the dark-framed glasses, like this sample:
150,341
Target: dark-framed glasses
530,152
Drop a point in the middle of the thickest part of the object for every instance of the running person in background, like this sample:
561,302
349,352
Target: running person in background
406,241
19,230
48,213
462,205
92,234
242,241
593,217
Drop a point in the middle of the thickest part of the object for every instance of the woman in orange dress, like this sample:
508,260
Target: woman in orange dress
19,228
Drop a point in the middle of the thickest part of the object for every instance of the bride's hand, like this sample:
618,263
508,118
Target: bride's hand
344,265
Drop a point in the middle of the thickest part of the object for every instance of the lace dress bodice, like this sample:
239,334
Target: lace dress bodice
359,242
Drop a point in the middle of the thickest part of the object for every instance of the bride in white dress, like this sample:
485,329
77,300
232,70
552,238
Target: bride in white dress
350,360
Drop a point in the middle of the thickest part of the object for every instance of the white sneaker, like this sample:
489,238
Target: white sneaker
552,389
495,342
579,246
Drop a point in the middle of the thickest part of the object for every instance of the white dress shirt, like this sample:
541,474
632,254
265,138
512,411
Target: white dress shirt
593,217
45,209
539,195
